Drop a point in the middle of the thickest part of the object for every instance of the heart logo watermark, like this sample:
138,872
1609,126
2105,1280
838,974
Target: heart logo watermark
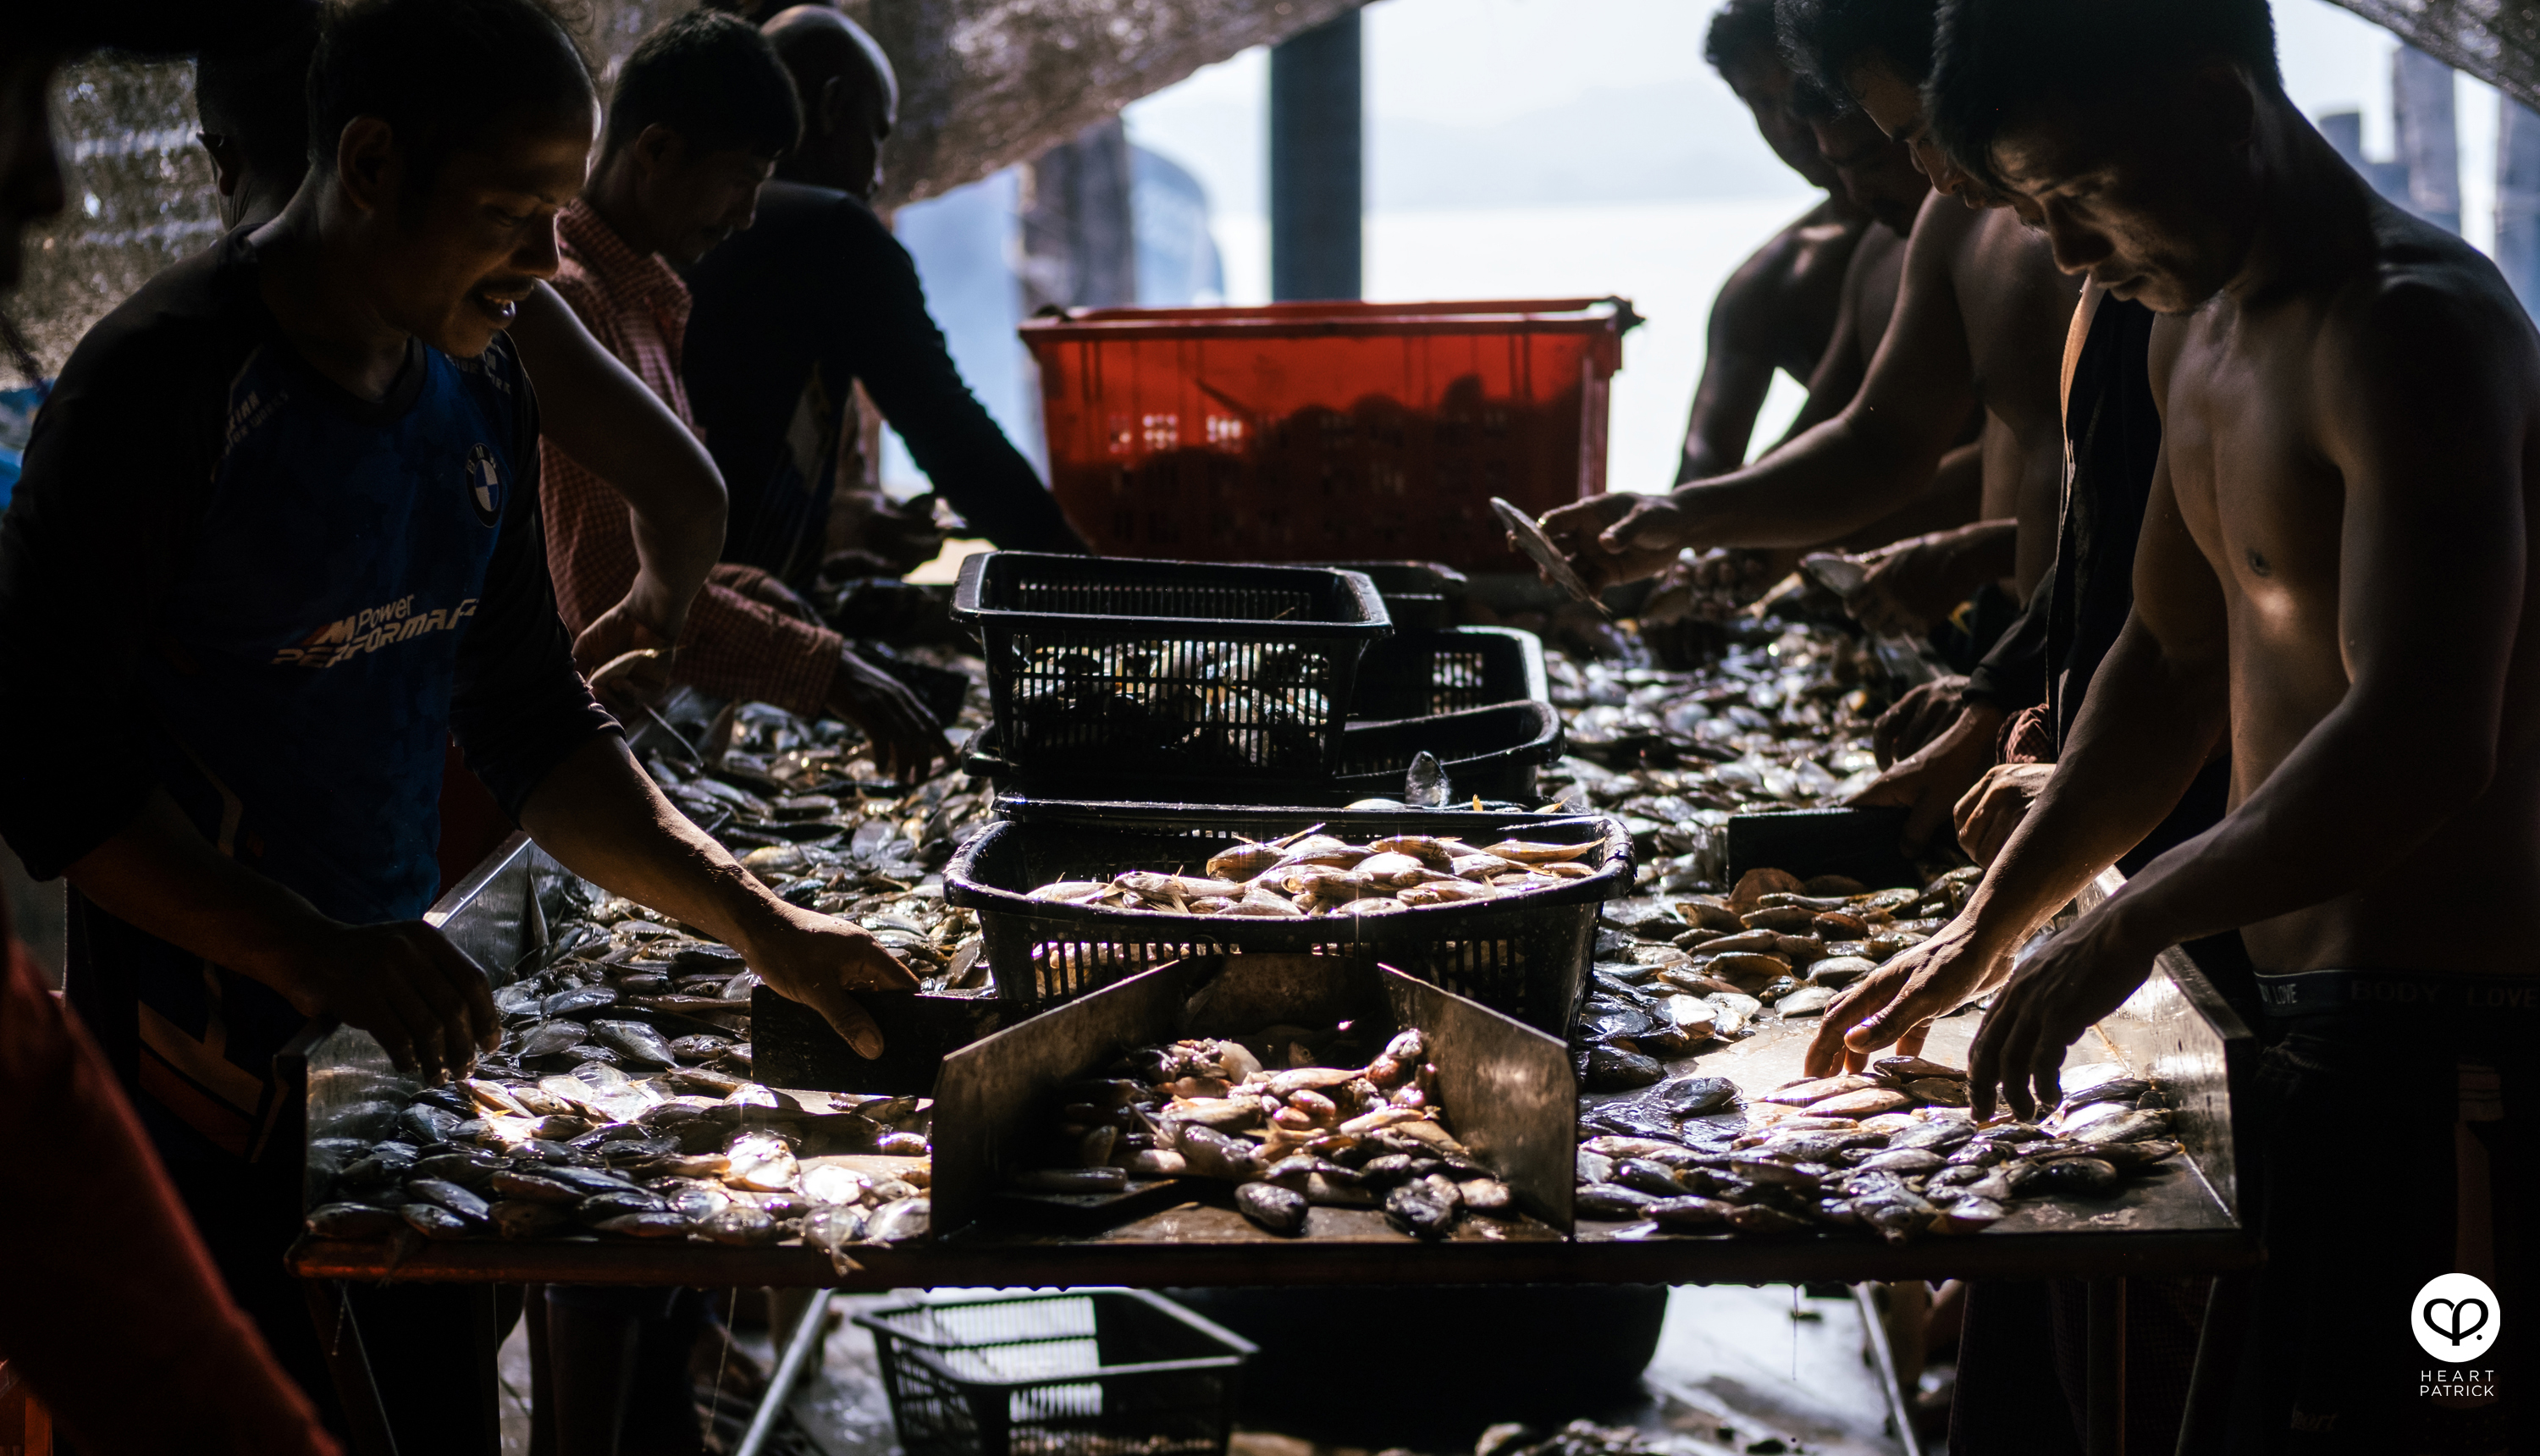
2455,1318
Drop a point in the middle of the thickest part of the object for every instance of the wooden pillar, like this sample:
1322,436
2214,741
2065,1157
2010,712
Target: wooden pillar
1317,151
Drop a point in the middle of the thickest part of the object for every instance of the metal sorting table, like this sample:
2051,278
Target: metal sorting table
2181,1221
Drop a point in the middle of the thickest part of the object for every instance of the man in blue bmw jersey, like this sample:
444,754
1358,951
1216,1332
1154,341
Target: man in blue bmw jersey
278,540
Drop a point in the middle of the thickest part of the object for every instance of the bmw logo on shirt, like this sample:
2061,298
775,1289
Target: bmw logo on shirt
485,485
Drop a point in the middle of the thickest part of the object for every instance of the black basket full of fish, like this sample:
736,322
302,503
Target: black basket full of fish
1497,907
1489,753
1474,699
1186,671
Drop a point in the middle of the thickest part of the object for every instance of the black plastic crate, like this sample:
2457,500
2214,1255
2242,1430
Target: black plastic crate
1490,753
1486,752
1180,667
1866,844
1526,958
1413,675
1420,596
1071,1372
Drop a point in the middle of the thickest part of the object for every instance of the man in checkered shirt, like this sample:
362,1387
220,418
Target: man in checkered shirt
702,112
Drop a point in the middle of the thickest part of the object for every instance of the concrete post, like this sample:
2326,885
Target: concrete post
2421,103
2517,199
1080,239
1317,153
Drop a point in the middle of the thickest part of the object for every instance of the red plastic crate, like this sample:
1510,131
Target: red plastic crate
1318,431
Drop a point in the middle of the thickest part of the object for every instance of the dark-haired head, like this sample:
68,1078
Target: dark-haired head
45,34
1999,64
1829,41
849,97
703,111
1873,54
2126,127
253,100
445,75
443,136
1740,33
1745,49
714,80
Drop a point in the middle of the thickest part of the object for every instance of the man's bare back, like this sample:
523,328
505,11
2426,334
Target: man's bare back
1778,313
2016,309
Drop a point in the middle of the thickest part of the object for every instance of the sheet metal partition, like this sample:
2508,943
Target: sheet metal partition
494,915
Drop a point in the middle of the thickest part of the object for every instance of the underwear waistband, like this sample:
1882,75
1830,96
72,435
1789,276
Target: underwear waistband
2423,993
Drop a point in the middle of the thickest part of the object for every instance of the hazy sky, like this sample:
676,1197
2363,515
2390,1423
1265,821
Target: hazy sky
1484,67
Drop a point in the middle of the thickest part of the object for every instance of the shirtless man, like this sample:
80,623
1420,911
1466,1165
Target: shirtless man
2332,574
1980,320
1781,309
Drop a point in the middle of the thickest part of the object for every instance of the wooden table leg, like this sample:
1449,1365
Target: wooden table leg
2104,1379
339,1339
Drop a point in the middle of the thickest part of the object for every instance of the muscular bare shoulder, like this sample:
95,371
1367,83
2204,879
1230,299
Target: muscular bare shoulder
1772,273
2426,333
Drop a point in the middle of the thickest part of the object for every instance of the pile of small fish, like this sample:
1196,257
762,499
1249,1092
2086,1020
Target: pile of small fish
1673,973
621,1101
1780,720
1253,705
1892,1151
1578,1438
1363,1134
802,805
1309,872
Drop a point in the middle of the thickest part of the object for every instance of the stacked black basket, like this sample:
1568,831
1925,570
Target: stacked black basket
1148,713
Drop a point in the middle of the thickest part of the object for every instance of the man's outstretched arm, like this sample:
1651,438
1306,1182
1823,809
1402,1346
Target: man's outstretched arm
1845,473
600,413
2425,412
2154,710
604,818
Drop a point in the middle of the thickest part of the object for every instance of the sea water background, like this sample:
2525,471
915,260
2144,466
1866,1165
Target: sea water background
1540,148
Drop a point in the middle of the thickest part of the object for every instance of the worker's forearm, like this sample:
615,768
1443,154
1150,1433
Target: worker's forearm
1838,477
162,876
600,413
2145,729
603,818
1981,551
671,566
1954,495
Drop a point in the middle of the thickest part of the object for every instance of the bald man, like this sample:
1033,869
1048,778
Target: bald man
818,296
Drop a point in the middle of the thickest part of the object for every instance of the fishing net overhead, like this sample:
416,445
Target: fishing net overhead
984,84
2496,41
